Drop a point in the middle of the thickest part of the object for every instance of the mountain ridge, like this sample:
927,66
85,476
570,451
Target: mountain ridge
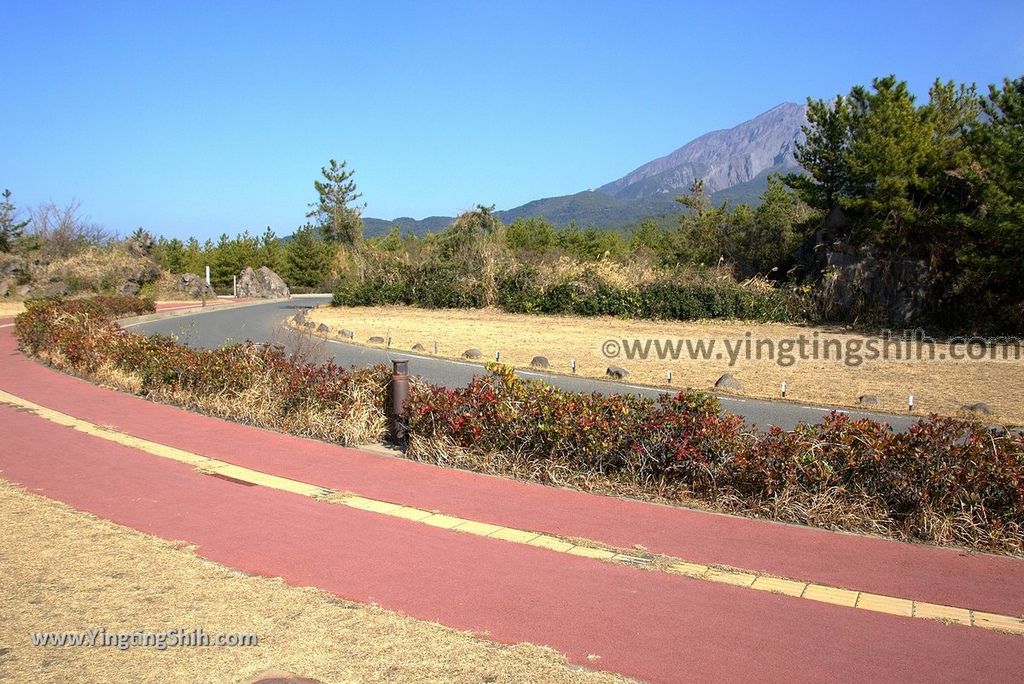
734,164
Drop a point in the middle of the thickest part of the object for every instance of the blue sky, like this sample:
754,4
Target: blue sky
196,118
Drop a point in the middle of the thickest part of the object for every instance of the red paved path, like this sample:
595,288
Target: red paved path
644,624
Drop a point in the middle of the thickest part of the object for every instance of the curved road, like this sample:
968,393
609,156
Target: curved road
262,323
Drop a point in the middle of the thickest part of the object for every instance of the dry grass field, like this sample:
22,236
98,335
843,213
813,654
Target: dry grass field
939,387
66,570
8,309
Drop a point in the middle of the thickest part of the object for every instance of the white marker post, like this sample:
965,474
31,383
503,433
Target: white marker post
234,286
497,356
435,347
783,390
670,377
910,403
572,363
208,275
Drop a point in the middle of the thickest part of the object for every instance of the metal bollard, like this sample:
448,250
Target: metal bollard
399,397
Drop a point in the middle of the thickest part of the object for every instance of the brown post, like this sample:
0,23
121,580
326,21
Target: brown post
399,397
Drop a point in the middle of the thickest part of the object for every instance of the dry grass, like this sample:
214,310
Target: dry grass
937,387
8,309
65,570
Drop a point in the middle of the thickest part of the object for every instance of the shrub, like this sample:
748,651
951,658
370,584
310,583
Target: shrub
943,481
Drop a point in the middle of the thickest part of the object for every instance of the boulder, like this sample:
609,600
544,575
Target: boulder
5,288
51,289
418,347
261,284
376,339
868,400
728,382
323,328
616,372
344,332
472,354
540,362
129,287
980,408
193,286
12,266
23,290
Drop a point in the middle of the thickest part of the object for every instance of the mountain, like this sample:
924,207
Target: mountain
734,163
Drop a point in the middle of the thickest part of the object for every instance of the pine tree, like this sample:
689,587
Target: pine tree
10,228
337,220
308,258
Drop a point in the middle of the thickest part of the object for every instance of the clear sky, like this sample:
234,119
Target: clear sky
196,118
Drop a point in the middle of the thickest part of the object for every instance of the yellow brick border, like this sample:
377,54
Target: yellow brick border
810,591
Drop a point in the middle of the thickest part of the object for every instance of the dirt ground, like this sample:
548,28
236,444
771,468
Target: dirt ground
937,387
63,570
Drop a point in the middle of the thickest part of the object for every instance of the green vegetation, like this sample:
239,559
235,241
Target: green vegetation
10,227
944,481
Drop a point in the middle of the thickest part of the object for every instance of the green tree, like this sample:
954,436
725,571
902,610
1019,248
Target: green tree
308,258
531,235
10,227
334,213
699,238
271,253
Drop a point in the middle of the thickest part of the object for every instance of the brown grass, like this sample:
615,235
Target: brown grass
9,309
942,388
65,570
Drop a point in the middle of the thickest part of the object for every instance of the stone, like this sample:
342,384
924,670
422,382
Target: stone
309,324
261,284
323,328
23,290
51,289
980,407
617,372
12,266
376,339
418,347
728,382
345,332
140,244
193,286
129,287
540,362
472,354
868,400
997,430
5,288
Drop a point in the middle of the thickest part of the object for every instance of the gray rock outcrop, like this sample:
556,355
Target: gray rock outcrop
193,286
540,362
617,372
472,354
728,382
261,284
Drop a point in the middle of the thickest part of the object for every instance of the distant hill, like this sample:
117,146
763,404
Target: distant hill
734,163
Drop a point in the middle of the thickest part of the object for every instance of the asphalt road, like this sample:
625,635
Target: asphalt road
262,323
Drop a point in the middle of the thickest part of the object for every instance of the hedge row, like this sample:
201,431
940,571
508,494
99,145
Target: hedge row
944,481
252,383
440,286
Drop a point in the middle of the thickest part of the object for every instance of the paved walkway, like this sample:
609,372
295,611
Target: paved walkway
661,626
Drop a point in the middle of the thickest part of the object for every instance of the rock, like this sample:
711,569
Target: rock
51,289
12,266
129,287
5,288
868,400
376,339
323,328
980,407
540,362
617,372
728,382
472,354
261,284
997,430
418,347
23,290
344,332
300,317
140,244
309,324
193,286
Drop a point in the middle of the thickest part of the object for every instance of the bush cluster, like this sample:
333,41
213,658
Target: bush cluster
248,382
943,481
